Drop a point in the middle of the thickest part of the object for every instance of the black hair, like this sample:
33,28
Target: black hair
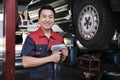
46,7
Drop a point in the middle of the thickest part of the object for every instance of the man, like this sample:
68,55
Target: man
36,53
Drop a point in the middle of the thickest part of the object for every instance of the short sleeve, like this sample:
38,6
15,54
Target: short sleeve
28,48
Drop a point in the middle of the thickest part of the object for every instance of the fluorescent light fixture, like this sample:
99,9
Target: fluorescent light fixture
1,17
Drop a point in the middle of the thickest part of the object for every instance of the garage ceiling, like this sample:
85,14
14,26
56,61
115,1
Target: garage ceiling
23,2
20,2
21,5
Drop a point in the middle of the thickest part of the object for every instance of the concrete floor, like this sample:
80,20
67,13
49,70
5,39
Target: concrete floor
72,73
68,73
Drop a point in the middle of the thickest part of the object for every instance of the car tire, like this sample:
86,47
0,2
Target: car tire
111,76
95,23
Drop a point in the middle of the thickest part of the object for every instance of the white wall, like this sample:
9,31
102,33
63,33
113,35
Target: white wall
1,29
1,25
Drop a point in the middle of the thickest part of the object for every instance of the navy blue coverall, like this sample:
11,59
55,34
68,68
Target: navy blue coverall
38,45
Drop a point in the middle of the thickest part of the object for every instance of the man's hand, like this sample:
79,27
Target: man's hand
55,57
64,54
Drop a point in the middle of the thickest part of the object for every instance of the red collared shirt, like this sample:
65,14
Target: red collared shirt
37,43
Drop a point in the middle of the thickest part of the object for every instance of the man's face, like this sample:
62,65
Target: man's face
46,19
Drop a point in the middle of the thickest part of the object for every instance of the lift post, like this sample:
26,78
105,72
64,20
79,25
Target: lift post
8,68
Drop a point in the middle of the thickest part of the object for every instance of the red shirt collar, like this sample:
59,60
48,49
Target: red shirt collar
41,33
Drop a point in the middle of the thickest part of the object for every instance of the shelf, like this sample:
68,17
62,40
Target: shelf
88,66
89,69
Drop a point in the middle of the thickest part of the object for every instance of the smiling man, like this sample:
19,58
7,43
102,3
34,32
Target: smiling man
36,53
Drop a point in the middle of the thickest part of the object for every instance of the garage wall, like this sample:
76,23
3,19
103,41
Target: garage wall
1,29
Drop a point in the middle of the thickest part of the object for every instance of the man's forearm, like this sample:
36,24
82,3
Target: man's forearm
29,61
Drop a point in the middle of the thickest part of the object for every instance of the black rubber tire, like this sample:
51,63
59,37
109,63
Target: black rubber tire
111,76
106,27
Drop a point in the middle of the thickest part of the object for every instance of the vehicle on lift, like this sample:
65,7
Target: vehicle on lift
94,22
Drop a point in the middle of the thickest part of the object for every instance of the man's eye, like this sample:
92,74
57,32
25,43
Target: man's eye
44,16
50,16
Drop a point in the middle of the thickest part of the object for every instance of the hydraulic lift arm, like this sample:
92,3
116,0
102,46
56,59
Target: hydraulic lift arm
8,68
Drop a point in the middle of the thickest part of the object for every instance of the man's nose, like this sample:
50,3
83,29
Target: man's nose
47,19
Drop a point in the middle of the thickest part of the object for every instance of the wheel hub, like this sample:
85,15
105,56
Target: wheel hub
88,22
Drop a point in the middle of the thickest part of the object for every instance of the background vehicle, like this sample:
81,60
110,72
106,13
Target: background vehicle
93,21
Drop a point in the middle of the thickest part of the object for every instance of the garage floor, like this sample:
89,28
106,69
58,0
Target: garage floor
106,66
72,73
68,73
